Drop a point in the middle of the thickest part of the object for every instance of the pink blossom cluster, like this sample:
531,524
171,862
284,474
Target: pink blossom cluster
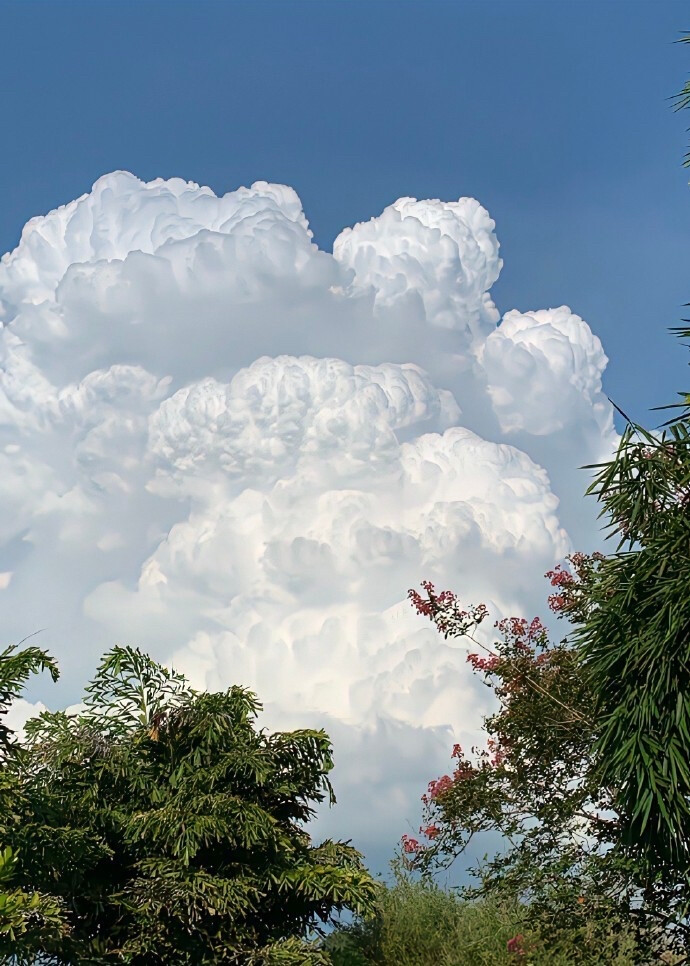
428,606
565,581
410,845
487,665
496,752
519,629
444,609
439,787
562,579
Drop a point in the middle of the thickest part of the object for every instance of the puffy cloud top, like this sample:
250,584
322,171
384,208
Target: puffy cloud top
239,452
544,372
121,215
440,257
279,412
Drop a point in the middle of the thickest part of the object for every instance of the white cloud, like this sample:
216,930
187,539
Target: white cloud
238,452
19,713
440,258
544,372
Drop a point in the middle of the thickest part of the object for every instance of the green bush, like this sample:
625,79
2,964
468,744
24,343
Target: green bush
420,924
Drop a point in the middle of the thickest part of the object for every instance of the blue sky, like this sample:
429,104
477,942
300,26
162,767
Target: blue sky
552,114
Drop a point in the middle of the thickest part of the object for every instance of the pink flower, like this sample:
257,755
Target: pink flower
516,946
421,605
485,664
556,602
440,786
536,630
409,844
496,753
560,577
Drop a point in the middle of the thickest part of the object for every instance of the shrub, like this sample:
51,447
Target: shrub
420,924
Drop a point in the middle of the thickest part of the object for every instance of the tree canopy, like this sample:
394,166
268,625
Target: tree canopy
28,918
170,829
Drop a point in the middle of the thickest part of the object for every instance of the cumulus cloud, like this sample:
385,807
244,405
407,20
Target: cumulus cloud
440,258
238,451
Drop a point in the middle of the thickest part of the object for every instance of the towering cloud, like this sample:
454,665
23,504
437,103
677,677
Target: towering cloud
238,451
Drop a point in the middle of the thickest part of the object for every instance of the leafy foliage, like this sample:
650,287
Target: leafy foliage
16,667
172,829
28,919
636,644
130,689
538,785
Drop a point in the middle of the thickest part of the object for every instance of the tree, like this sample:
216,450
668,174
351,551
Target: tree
537,784
28,918
172,830
635,643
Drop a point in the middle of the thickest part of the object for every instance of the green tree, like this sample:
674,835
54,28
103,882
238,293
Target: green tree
173,830
29,919
636,645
